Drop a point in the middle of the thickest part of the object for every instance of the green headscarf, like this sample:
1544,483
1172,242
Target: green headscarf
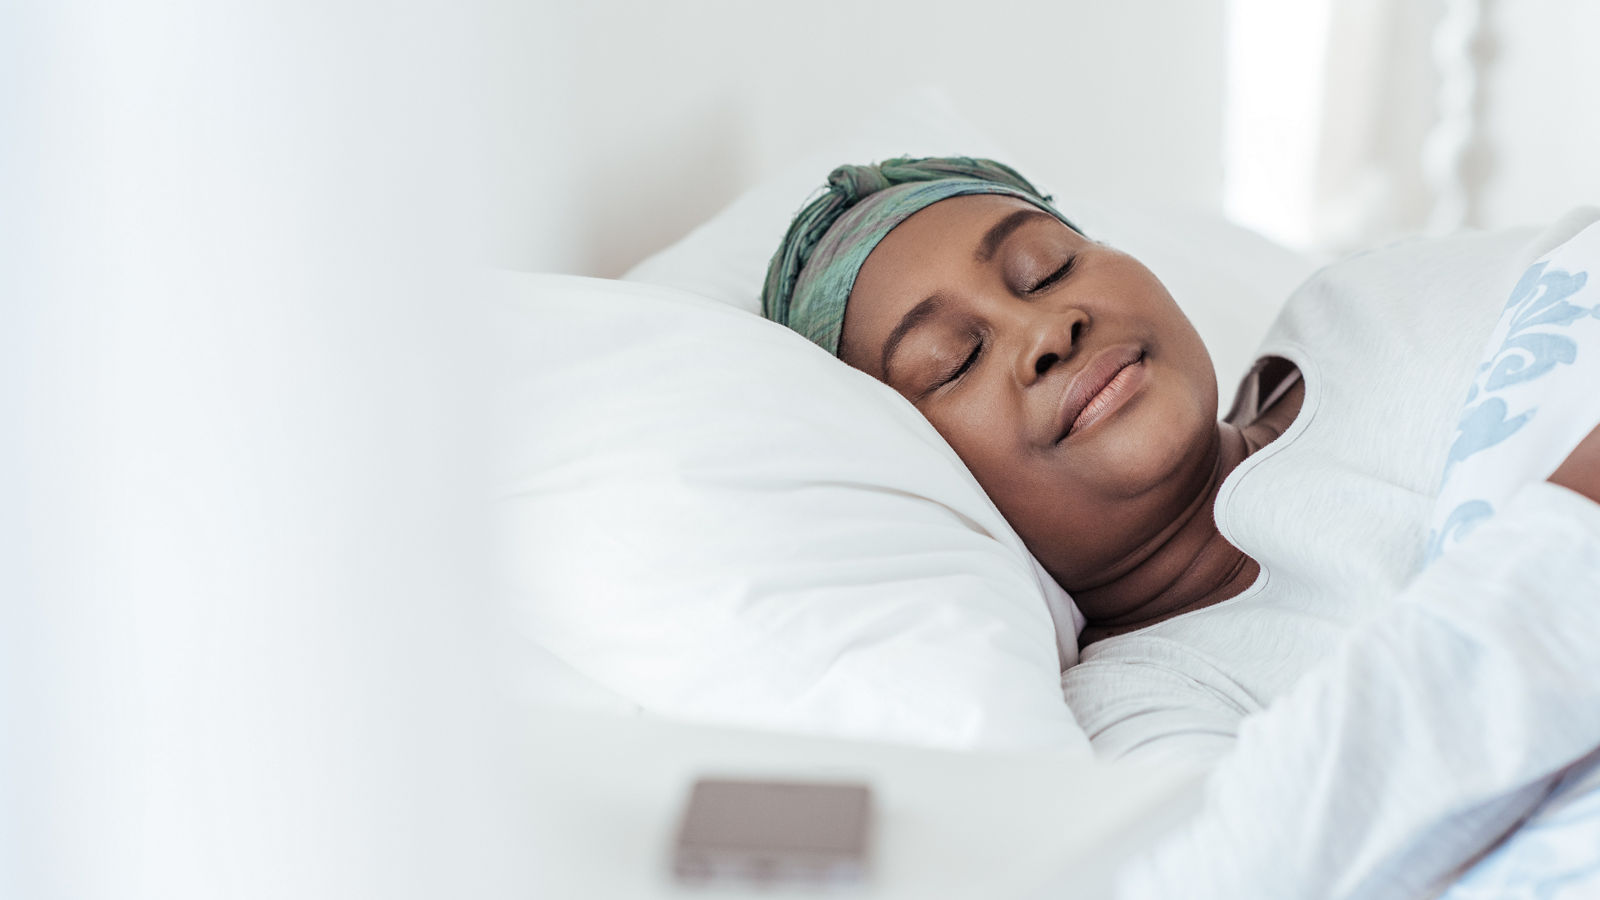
810,277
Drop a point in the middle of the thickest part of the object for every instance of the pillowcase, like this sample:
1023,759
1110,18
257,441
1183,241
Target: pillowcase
713,518
1228,280
1532,398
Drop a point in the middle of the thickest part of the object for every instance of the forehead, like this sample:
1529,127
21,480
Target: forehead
953,224
930,250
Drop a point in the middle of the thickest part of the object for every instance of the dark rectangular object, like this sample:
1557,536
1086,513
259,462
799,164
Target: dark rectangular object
787,832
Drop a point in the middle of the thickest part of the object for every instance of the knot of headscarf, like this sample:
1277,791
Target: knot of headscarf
851,183
810,277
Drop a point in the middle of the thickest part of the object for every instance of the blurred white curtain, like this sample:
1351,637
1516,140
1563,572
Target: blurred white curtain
1349,122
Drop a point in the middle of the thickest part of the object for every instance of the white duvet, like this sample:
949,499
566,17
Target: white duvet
1554,855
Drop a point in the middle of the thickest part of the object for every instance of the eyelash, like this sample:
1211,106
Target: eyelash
966,364
1057,275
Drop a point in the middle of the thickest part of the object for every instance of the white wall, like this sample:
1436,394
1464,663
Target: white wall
677,105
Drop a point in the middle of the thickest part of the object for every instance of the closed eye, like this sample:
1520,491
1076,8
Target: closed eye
1057,275
966,364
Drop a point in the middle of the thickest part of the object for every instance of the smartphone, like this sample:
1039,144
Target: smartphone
774,832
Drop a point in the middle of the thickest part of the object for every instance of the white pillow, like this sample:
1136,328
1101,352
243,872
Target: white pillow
1228,280
711,517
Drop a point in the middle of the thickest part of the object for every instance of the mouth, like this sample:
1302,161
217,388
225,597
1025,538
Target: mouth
1100,388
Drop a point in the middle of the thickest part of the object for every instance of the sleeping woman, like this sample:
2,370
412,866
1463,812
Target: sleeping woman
1274,554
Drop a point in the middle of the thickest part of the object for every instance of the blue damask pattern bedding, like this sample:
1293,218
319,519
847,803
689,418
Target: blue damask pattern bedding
1535,396
1536,393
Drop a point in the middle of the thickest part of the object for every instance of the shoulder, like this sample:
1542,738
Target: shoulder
1145,695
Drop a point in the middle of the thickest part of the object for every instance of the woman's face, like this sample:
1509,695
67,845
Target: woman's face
1060,370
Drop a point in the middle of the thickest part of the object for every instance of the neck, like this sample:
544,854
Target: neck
1192,565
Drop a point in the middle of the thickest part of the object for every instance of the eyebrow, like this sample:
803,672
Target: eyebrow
915,316
1002,229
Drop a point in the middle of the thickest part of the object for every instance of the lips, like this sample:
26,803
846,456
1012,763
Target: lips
1097,375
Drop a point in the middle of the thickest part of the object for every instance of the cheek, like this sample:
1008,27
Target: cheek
1026,487
987,438
980,448
1189,362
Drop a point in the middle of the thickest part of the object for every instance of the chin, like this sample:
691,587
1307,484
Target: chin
1166,449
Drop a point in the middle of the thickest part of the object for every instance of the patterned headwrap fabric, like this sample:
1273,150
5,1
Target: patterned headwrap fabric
810,277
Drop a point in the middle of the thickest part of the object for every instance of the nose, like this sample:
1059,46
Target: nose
1051,338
